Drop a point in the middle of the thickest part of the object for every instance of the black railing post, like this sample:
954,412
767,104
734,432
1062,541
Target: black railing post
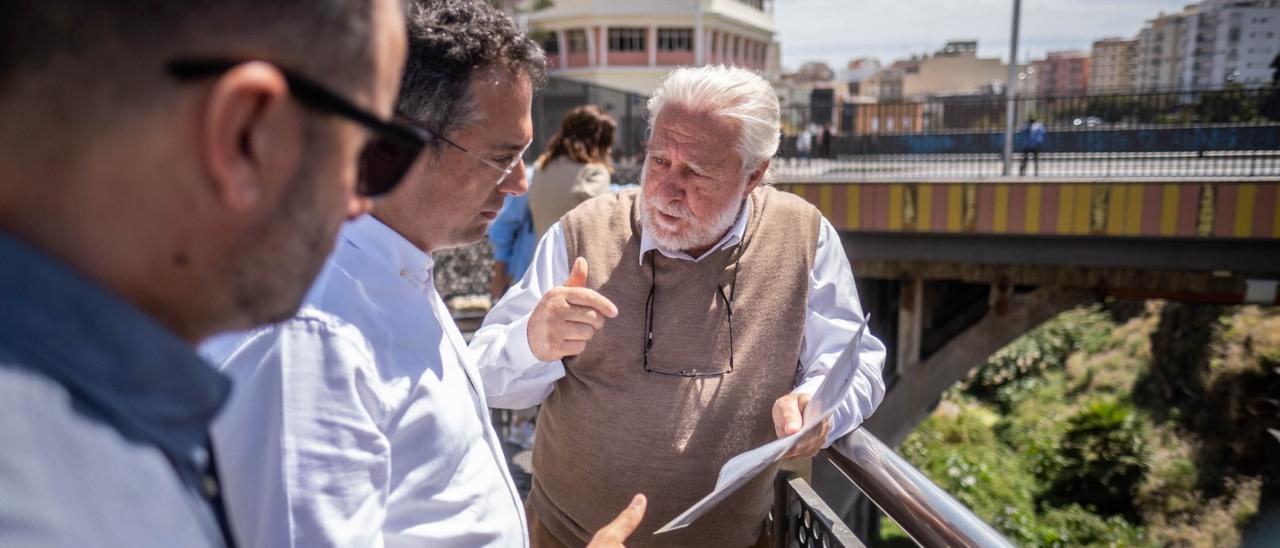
801,518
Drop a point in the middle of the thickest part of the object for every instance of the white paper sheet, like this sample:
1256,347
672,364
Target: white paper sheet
742,468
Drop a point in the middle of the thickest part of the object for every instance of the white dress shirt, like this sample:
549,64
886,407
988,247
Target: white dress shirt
515,379
362,420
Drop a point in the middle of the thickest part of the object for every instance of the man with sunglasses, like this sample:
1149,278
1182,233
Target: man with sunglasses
699,316
171,170
361,421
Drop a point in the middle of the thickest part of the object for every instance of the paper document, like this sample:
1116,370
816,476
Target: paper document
742,468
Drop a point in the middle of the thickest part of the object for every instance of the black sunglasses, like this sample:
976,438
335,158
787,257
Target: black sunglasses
649,314
383,161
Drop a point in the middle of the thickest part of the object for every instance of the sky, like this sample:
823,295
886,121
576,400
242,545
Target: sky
836,31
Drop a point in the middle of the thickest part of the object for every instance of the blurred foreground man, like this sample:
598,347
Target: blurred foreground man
362,421
169,170
700,314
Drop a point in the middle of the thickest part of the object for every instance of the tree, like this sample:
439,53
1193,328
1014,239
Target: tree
1232,104
1271,106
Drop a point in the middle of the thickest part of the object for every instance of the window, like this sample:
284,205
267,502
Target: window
627,39
549,41
675,39
577,39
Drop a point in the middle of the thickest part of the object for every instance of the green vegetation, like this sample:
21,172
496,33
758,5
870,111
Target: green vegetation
1101,430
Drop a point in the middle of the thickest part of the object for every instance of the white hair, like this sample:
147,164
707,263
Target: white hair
730,92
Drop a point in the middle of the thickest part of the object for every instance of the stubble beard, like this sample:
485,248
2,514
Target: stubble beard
281,261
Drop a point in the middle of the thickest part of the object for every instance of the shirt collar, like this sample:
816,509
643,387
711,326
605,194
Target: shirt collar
730,239
389,249
120,363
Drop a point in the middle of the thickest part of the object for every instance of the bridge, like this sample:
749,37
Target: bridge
952,270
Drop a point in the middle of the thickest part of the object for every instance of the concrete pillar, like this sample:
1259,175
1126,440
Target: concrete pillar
651,46
591,47
602,34
563,40
918,388
910,325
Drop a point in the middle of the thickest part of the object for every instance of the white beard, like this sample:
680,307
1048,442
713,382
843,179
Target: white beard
688,232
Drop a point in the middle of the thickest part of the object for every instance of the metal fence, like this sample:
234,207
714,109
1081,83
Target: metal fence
559,96
1218,132
1119,109
1083,165
1213,132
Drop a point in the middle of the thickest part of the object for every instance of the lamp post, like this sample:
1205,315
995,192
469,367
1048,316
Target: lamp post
1011,92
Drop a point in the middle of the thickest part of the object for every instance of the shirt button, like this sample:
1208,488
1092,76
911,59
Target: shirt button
210,487
404,273
200,457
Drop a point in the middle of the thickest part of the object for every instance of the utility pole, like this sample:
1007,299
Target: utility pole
1011,92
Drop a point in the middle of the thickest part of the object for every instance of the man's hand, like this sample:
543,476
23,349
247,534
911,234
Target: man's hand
620,528
788,416
567,317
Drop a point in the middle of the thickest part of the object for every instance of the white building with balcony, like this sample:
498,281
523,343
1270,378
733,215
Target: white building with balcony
631,45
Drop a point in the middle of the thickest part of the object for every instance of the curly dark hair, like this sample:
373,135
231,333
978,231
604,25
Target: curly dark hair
450,42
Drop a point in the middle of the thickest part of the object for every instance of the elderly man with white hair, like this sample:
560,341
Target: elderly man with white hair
699,315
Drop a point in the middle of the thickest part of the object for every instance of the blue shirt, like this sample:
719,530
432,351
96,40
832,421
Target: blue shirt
512,236
104,416
1033,135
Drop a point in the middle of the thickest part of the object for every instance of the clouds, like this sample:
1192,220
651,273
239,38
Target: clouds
837,30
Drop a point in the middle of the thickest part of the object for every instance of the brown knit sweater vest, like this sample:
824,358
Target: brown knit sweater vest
610,430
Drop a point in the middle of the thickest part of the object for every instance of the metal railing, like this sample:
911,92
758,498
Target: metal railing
1199,132
801,518
1219,132
1108,109
561,95
1089,165
929,515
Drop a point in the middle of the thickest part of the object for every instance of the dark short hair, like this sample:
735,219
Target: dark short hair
76,55
450,42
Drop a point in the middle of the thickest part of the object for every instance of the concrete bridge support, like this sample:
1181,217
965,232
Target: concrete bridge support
922,379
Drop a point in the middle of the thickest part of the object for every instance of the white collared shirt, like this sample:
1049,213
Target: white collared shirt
362,421
515,379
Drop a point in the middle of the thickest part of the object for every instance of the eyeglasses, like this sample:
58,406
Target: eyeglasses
648,322
505,171
383,161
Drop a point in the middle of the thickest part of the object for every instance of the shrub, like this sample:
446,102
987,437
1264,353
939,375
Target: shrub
1006,377
1103,460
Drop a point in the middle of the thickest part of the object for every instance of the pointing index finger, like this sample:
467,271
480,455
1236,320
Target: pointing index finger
580,296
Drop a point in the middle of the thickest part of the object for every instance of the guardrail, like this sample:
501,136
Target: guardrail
929,515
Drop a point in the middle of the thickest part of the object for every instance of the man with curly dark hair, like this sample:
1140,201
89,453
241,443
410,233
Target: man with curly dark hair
362,420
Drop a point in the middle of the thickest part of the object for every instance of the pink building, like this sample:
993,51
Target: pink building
1062,73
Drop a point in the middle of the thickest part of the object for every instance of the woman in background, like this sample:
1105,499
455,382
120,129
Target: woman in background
575,166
